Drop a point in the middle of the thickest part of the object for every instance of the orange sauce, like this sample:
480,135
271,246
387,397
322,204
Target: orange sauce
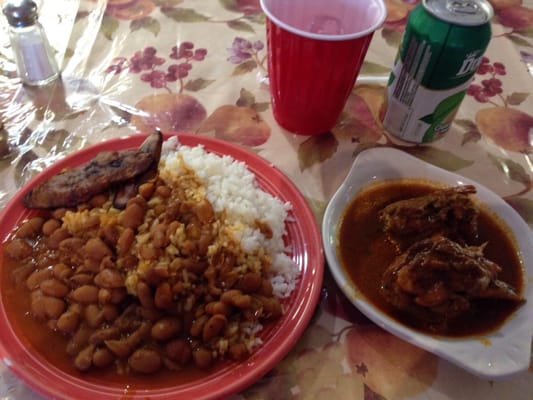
50,345
365,254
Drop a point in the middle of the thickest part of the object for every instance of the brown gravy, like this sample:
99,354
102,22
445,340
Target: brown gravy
365,253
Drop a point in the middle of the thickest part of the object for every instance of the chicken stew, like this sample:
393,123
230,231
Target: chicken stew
432,258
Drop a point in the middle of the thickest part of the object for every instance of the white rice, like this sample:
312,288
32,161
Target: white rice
232,188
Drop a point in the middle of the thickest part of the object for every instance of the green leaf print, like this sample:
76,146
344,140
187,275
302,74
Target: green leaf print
444,110
516,98
148,23
316,149
198,84
184,15
370,68
244,68
108,27
241,26
511,169
441,158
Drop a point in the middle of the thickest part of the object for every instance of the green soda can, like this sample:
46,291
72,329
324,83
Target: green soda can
441,49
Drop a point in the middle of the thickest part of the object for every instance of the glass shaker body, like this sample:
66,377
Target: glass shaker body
36,63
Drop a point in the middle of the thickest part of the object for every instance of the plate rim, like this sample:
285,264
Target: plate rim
308,287
483,365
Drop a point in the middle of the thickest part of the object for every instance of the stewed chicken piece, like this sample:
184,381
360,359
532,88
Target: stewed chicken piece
441,276
449,212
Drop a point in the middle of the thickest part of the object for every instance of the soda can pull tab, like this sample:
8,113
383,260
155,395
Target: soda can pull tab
462,6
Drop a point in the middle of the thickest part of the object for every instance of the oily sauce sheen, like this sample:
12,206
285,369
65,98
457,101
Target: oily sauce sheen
365,254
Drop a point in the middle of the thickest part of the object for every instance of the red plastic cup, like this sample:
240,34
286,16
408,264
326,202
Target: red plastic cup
315,51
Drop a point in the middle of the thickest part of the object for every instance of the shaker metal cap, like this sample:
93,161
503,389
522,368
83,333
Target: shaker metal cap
20,13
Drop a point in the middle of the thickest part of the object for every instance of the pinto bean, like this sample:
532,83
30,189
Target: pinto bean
36,277
163,296
146,190
98,200
144,293
159,235
80,279
109,279
103,334
79,340
193,230
132,216
110,312
18,249
57,237
271,307
149,314
165,328
92,221
54,288
84,359
163,191
110,234
218,307
85,294
188,247
125,240
243,301
213,326
122,348
204,211
94,316
138,200
96,249
61,271
119,347
102,357
141,333
179,350
104,296
204,241
47,307
50,225
198,325
173,227
71,245
237,351
30,228
118,295
236,298
149,252
68,322
146,361
59,213
250,282
202,358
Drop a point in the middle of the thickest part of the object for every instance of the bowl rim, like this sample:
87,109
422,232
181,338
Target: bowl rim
501,358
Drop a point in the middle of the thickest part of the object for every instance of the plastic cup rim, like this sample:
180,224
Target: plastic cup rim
317,36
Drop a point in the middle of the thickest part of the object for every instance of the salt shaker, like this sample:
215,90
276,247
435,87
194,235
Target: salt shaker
35,59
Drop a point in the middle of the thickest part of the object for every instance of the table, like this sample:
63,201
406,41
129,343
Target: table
200,66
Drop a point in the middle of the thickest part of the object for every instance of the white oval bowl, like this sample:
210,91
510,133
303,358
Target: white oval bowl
498,354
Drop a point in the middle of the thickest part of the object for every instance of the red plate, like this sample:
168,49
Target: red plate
278,337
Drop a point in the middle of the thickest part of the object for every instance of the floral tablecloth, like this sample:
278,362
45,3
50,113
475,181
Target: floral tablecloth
200,66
